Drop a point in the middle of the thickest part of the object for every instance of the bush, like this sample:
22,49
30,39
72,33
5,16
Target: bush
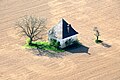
77,42
72,41
43,45
98,41
54,43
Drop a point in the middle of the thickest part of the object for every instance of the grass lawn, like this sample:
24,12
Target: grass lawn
42,45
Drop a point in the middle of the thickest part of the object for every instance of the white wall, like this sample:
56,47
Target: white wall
62,41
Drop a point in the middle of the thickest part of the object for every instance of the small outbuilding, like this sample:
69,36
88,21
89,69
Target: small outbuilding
63,33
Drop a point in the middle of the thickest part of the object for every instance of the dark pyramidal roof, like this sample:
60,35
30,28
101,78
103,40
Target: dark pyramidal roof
67,30
63,30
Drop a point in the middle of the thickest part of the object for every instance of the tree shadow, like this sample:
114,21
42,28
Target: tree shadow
51,54
105,45
77,48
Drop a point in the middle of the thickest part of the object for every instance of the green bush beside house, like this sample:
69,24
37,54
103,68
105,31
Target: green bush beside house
53,45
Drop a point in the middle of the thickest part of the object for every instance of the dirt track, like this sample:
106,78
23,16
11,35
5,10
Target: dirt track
17,63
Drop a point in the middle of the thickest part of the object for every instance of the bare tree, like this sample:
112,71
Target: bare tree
33,28
97,34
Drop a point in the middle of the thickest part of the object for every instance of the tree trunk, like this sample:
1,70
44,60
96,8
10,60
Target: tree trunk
97,37
30,43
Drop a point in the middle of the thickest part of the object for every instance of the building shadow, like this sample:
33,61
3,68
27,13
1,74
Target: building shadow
72,49
75,48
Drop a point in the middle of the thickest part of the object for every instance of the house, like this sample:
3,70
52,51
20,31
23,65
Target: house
63,33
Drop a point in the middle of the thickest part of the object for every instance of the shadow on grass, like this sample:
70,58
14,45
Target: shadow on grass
77,48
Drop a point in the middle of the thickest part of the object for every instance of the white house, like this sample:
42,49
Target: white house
63,33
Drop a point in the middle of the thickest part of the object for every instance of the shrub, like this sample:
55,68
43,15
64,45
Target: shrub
98,41
43,46
54,43
77,42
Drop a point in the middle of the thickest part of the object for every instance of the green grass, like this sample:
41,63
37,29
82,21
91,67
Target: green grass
43,45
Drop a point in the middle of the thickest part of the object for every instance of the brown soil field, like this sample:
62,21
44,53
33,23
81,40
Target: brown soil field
17,63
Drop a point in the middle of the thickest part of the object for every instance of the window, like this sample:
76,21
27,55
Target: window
68,28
